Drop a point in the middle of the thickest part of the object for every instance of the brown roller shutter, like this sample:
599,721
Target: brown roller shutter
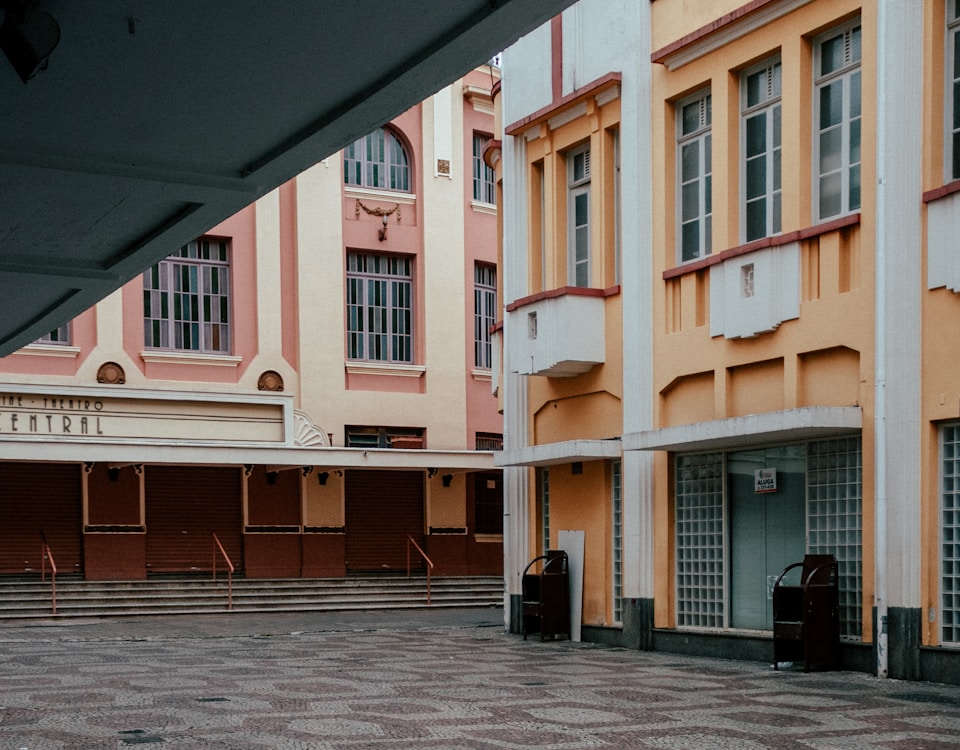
184,506
382,507
38,498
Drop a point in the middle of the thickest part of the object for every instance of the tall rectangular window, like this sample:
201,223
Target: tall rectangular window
616,500
952,59
694,169
950,535
484,184
484,314
760,134
578,217
379,308
838,115
186,299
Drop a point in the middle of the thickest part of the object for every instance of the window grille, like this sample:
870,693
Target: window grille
377,160
484,181
379,308
484,314
186,299
488,441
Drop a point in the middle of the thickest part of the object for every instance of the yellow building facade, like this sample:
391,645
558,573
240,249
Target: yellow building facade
771,231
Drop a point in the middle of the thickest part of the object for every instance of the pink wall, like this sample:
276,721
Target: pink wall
241,230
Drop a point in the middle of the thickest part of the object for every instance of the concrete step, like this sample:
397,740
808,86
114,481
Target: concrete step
21,599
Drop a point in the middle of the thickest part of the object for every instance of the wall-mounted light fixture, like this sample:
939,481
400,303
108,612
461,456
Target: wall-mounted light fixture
322,477
447,479
271,477
27,37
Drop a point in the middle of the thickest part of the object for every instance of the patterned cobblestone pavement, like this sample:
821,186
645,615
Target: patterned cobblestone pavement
426,680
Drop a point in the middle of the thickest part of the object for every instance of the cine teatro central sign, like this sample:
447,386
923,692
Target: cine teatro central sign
36,415
50,415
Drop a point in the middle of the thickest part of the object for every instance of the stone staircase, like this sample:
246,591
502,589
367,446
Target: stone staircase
31,599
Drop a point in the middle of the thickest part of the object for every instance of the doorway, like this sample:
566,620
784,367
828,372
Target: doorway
767,495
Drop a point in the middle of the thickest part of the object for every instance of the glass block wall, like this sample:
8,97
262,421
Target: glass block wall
950,535
700,540
835,519
617,541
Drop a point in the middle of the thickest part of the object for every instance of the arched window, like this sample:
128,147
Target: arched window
377,160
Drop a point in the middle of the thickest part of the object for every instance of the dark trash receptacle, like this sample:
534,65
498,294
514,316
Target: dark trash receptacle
806,616
546,596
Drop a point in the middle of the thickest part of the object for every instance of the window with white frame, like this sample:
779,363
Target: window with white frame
578,216
59,336
616,485
694,169
379,308
377,160
837,113
484,314
760,133
186,299
950,535
484,182
952,59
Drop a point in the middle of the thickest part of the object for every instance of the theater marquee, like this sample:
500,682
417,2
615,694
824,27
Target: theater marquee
154,416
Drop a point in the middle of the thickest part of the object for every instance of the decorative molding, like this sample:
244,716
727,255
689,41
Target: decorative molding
385,368
553,111
484,208
799,235
392,196
189,358
110,373
480,99
377,211
483,375
270,380
306,433
50,350
723,31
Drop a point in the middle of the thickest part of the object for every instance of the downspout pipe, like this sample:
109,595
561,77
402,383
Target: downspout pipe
880,357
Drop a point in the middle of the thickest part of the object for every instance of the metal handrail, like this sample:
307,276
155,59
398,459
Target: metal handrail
226,557
411,540
46,554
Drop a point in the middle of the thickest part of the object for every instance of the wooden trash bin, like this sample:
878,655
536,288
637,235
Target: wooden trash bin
546,596
806,616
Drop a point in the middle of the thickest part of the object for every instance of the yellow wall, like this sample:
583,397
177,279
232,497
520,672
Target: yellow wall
825,357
